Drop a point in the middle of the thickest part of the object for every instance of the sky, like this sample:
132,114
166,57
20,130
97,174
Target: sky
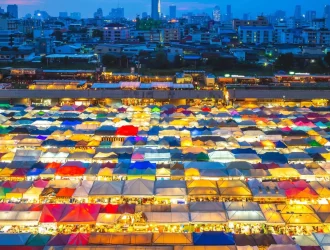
136,7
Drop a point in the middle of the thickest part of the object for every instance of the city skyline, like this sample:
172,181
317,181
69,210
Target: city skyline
183,6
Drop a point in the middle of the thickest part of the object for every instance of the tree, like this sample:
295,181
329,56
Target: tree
98,33
58,35
109,60
285,62
161,61
177,63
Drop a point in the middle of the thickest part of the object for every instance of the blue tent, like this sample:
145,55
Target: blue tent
243,151
273,157
34,172
143,165
213,239
280,144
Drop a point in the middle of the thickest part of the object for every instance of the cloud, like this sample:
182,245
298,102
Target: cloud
23,2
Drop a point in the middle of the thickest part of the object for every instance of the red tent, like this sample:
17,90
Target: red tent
36,207
108,165
66,192
51,213
299,193
20,172
127,130
79,239
80,214
53,165
40,183
285,185
6,206
109,209
70,171
59,240
206,109
9,184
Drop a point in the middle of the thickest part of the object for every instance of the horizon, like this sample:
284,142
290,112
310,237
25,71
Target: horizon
256,7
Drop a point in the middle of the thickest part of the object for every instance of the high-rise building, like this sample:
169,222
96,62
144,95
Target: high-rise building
297,12
326,15
12,10
229,15
216,14
2,11
63,15
155,9
310,16
117,13
75,15
172,11
144,15
99,13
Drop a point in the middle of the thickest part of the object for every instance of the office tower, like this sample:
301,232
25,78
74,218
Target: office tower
98,13
172,11
246,16
310,16
12,10
297,12
229,16
155,9
216,14
144,15
63,15
326,11
75,15
117,13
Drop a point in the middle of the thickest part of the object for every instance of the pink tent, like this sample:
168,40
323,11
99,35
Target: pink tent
40,183
51,213
79,239
9,184
6,206
59,240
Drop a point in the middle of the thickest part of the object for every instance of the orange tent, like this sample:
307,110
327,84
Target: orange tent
65,192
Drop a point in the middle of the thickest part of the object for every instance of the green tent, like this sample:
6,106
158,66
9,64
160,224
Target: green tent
101,115
38,240
202,157
4,191
155,110
314,143
5,106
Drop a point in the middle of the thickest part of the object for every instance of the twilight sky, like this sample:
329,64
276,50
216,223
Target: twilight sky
134,7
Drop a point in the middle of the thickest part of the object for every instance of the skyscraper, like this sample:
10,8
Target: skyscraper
12,10
172,11
297,12
327,16
310,16
216,14
117,13
155,9
98,13
229,15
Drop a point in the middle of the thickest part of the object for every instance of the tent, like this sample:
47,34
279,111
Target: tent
172,239
167,218
80,214
38,240
213,238
138,187
18,239
170,188
106,189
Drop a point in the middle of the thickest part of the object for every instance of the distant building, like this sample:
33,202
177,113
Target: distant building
171,35
11,38
261,21
256,34
297,12
117,13
12,10
216,14
155,9
172,11
115,32
2,11
98,13
310,16
144,15
326,15
229,15
63,15
75,15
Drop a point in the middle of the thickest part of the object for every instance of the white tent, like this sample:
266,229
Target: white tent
138,187
106,219
22,218
106,189
83,190
170,217
170,188
208,217
27,155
